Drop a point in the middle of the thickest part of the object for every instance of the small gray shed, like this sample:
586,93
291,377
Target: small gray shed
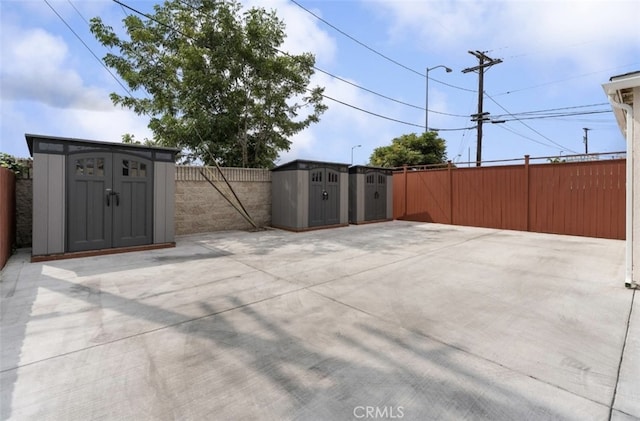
370,194
90,195
309,195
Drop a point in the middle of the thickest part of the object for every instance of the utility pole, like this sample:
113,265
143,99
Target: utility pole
484,62
586,139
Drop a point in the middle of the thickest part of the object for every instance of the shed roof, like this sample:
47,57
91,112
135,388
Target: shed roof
355,169
31,138
302,164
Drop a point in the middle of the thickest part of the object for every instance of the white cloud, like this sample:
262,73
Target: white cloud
331,138
582,33
38,118
108,126
303,33
341,127
36,68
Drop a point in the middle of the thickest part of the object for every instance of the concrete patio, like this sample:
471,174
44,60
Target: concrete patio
392,320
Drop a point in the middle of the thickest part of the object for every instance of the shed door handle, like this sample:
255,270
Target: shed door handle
325,195
112,193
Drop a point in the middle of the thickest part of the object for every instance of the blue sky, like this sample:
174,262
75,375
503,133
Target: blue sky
556,55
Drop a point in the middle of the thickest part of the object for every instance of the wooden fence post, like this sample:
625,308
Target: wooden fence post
450,192
404,172
528,200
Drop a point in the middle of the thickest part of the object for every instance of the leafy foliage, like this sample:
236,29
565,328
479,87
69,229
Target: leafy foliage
411,149
214,80
130,139
11,163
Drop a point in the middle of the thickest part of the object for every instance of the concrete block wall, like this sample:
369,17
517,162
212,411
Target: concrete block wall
201,208
24,204
24,211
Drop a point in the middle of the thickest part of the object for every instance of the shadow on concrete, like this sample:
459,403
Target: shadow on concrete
13,324
384,236
369,377
97,265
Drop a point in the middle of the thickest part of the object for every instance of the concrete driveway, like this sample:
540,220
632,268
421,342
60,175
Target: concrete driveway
397,320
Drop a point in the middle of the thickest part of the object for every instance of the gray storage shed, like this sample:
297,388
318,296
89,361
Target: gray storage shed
309,195
90,195
370,194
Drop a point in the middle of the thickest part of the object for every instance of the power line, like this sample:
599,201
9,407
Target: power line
335,76
88,48
560,108
369,90
454,130
77,11
529,127
376,51
540,117
323,95
560,81
389,118
357,41
379,94
352,83
374,92
122,5
370,112
526,137
464,142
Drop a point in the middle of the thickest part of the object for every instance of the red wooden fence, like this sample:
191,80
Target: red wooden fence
7,214
575,198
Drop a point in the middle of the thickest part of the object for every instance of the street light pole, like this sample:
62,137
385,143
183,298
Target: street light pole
426,108
352,148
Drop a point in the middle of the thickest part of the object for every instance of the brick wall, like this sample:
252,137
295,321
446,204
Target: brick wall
200,208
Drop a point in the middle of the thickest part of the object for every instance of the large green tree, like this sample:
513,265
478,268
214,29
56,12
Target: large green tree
411,149
212,80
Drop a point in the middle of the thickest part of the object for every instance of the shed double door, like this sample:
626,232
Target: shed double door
324,197
109,201
375,196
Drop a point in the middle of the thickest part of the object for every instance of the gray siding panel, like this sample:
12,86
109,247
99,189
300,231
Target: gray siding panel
303,199
48,204
56,204
284,203
277,197
360,196
353,203
344,198
40,204
159,201
356,198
